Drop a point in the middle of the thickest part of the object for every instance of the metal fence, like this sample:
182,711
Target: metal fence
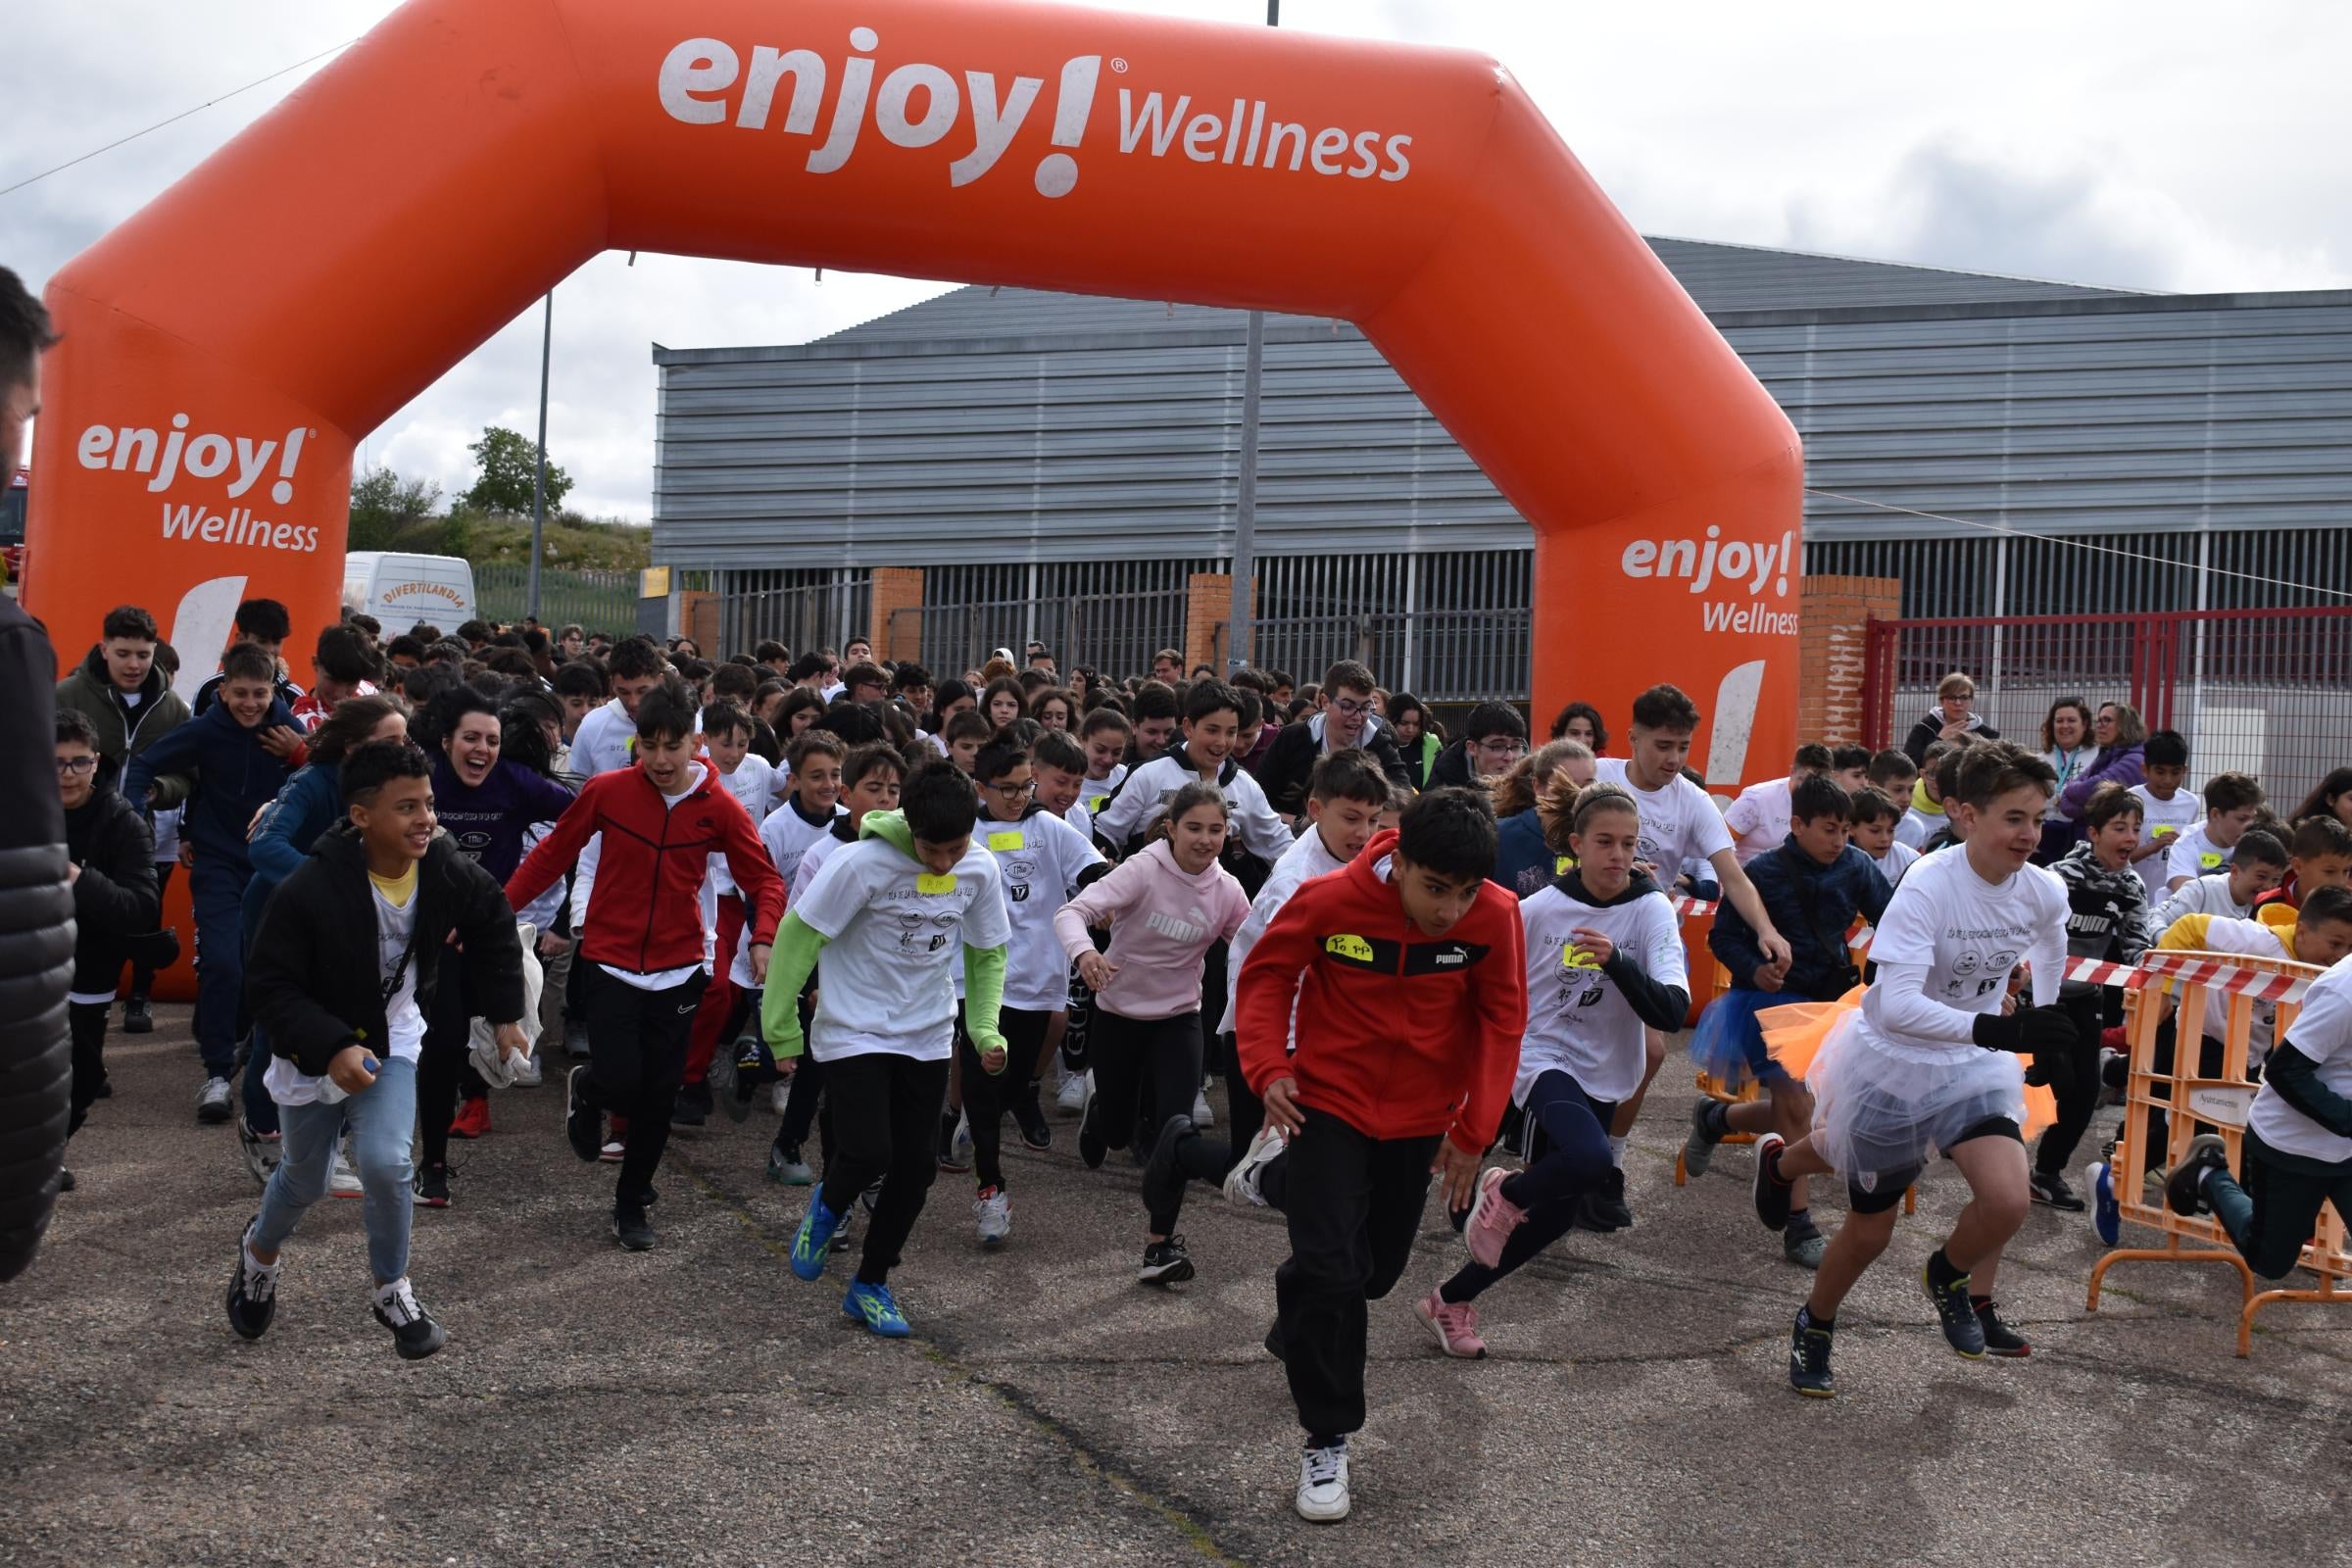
1440,655
599,601
2266,692
803,611
1115,633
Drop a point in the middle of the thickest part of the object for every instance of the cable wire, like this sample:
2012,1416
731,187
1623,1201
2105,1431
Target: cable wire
11,190
2078,544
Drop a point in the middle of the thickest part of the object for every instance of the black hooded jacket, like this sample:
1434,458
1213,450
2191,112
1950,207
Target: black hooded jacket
115,897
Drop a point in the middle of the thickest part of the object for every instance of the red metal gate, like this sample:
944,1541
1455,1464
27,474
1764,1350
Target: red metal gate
2267,692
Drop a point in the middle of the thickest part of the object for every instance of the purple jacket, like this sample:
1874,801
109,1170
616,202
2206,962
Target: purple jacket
2116,764
487,825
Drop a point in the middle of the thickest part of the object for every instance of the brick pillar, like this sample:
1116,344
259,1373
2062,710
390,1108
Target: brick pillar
1830,653
897,602
1207,606
698,618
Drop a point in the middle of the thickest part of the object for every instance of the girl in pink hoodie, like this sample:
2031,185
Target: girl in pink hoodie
1165,905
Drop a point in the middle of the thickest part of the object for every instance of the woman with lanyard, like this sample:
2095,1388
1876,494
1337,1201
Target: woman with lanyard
2067,746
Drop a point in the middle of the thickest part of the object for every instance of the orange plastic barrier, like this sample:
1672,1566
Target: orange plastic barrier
226,347
2192,1103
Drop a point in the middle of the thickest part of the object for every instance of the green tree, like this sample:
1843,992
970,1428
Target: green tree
388,512
504,461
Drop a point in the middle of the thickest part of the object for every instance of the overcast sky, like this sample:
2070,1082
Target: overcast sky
2157,146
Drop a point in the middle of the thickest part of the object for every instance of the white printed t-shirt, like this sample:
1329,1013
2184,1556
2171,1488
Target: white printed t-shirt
2323,1031
1956,936
2167,820
1578,1022
894,936
1039,857
1678,822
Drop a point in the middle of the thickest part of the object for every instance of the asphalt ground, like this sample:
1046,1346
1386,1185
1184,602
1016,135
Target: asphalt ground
697,1405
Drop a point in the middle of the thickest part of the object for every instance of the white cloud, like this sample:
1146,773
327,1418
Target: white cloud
2150,148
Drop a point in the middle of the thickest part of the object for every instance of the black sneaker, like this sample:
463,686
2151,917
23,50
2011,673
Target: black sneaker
1999,1338
1772,1195
693,1106
1030,1117
432,1187
1962,1330
1091,1145
415,1334
105,1088
1165,1263
1163,1183
252,1291
2184,1188
137,1018
1809,1371
583,1124
1604,1207
631,1229
2050,1187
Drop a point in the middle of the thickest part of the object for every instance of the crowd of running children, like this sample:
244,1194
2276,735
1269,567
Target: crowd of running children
895,914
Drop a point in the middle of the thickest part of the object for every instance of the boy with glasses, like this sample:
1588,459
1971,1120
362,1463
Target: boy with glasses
1347,720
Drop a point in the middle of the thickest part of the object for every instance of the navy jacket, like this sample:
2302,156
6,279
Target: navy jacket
219,769
1813,905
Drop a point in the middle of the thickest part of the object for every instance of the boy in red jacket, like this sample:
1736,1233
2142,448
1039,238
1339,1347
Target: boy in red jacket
661,821
1411,993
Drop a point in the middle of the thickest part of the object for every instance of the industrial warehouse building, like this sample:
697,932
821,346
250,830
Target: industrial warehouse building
1015,464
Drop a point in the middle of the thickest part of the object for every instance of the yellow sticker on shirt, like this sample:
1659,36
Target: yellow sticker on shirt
2210,861
1562,864
927,883
1010,840
1573,957
1349,947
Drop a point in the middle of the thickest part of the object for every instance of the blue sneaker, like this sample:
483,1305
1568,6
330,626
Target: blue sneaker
814,1242
2107,1216
875,1308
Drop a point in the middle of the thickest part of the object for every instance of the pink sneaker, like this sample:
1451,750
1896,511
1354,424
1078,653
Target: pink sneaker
1493,1218
1456,1327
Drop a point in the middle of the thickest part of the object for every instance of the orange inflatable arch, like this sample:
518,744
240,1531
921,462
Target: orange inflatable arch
226,347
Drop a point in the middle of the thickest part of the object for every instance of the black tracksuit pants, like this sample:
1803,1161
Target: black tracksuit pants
885,1114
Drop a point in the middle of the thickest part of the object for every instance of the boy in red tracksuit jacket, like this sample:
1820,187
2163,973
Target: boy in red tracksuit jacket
1405,972
642,939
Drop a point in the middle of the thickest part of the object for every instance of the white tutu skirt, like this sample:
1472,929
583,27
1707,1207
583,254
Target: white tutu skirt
1881,1111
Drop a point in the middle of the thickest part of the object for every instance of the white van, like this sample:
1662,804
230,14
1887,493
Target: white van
399,590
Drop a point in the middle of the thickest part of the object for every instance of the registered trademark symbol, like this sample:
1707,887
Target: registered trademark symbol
1118,66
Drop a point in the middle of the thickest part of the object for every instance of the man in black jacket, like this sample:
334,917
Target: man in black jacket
1347,720
341,979
111,869
37,902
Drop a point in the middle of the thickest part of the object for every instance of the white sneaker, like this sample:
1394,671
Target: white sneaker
1240,1182
341,1180
1072,1097
992,1214
961,1145
1204,1118
612,1151
526,1073
779,1095
1323,1485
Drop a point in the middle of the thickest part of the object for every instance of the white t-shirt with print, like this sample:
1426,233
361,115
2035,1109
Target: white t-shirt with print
1578,1022
750,784
2323,1031
2194,853
2184,812
787,837
894,935
1678,822
1968,934
1759,818
1039,857
1898,859
1091,790
404,1020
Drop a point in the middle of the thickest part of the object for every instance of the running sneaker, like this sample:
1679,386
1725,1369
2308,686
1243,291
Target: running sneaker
1771,1192
1204,1117
2052,1188
1809,1371
1071,1095
583,1124
718,1081
2185,1187
341,1180
844,1235
874,1306
1698,1144
472,1119
432,1187
631,1229
137,1018
2112,1082
1803,1245
252,1289
1493,1218
1323,1484
692,1107
2106,1214
960,1144
816,1236
415,1334
992,1213
1242,1182
1030,1117
575,1039
261,1150
1455,1325
214,1102
1999,1338
786,1167
612,1151
1163,1183
1092,1146
1604,1207
1165,1263
1957,1314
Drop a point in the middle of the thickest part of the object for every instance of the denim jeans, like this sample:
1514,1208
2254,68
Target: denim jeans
218,890
382,1119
